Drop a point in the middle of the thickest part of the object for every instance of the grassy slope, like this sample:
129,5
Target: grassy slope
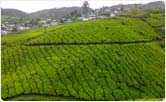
156,20
119,29
103,72
18,38
108,30
94,72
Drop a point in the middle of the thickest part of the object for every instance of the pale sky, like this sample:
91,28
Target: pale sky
36,5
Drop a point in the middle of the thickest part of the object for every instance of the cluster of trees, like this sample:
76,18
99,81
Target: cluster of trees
141,12
85,11
86,8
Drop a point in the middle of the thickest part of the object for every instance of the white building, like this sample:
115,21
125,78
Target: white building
23,28
4,32
68,21
102,16
92,16
112,14
83,18
53,22
10,25
42,22
107,11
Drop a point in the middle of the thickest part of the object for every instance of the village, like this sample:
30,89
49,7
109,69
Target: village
87,14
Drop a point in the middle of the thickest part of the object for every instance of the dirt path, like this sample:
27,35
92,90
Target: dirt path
90,43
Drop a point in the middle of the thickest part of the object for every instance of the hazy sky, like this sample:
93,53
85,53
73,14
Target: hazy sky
36,5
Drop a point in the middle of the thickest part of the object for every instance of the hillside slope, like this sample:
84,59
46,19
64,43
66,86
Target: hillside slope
107,30
105,59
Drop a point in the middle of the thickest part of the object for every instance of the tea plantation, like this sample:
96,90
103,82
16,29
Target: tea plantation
105,59
156,20
107,30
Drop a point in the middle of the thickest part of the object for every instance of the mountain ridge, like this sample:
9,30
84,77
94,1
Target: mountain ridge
45,13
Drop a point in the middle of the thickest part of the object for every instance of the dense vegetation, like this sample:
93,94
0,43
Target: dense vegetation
107,30
154,16
18,38
103,72
9,18
120,71
156,20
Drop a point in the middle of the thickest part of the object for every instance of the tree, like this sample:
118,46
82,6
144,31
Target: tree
2,27
73,13
32,22
14,29
86,8
122,8
26,24
61,21
37,21
15,24
45,27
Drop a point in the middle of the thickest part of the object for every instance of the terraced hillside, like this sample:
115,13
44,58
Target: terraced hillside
109,30
105,59
156,20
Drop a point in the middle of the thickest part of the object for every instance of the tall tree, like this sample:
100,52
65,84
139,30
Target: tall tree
86,8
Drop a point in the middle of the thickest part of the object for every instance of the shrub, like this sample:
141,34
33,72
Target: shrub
118,94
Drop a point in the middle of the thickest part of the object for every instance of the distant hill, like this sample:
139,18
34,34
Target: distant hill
13,12
156,4
56,12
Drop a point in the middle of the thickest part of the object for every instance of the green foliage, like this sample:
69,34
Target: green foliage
135,12
18,38
84,72
37,74
118,94
156,20
9,18
107,30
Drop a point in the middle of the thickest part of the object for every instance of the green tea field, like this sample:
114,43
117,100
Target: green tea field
104,59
